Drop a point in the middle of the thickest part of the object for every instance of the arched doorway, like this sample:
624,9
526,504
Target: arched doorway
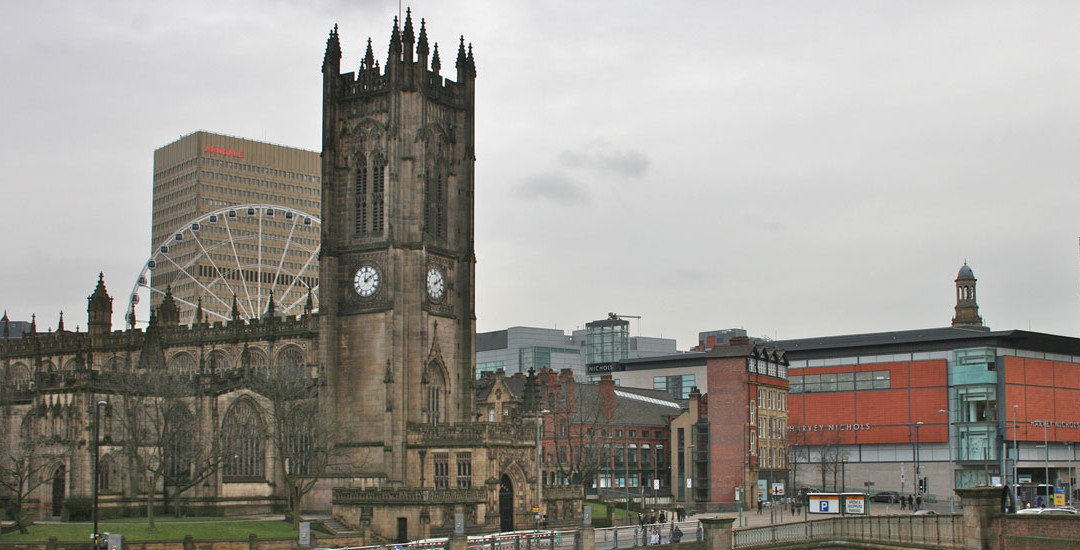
506,504
58,491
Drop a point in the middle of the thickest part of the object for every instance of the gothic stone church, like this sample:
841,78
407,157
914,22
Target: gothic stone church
392,347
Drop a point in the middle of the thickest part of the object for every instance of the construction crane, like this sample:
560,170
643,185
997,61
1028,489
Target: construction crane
612,316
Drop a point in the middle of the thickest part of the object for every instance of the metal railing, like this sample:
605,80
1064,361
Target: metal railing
944,531
516,540
609,538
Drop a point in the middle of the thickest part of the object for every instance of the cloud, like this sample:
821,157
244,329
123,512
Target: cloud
627,163
556,187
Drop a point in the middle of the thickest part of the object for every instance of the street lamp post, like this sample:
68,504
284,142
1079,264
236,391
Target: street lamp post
658,451
1046,464
688,467
952,474
539,461
1016,457
1070,446
94,480
843,475
918,467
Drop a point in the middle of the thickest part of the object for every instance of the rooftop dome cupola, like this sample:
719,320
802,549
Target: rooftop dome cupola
967,309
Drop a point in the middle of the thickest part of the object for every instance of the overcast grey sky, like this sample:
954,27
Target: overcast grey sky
795,168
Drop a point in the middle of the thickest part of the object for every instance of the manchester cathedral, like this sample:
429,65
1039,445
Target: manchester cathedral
387,358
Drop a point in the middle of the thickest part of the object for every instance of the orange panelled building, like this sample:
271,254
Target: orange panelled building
925,411
917,391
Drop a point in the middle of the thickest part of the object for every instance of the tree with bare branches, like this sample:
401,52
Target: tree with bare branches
159,434
575,425
301,429
24,465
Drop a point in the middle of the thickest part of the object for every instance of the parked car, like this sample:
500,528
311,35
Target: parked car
925,513
886,496
1047,511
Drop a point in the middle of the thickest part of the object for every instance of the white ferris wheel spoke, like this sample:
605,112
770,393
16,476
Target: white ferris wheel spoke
239,266
217,269
251,300
185,302
307,263
298,300
281,261
189,276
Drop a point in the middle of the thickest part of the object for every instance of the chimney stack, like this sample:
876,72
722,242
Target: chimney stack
607,396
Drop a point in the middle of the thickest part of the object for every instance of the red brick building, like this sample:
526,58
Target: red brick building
747,426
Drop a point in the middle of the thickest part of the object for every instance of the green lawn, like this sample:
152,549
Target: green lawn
168,528
599,510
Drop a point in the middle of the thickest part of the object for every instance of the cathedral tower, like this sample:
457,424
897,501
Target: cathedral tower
397,266
967,310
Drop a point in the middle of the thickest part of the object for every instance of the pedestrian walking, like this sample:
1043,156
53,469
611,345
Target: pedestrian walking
918,503
903,503
663,518
759,507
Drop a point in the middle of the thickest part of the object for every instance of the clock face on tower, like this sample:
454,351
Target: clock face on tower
436,286
366,281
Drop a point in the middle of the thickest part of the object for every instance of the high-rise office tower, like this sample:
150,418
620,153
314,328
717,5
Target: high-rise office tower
206,251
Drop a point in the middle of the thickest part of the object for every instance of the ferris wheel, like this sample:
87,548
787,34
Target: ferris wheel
241,256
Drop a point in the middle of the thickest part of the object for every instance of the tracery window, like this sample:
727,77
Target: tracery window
242,441
114,364
442,470
106,473
370,190
299,441
181,363
434,386
361,193
464,470
20,377
435,192
290,359
218,361
255,359
378,185
178,434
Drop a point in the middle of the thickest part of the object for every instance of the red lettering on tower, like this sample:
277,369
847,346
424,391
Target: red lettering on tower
224,151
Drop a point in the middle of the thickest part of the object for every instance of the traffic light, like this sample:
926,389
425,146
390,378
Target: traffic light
926,484
922,485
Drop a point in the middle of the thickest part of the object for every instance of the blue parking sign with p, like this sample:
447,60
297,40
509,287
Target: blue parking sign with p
823,506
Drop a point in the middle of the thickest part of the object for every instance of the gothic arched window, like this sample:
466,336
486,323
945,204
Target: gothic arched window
435,193
298,437
434,388
20,377
177,439
290,359
30,429
106,473
218,361
114,364
370,189
361,193
256,360
378,188
182,363
242,441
